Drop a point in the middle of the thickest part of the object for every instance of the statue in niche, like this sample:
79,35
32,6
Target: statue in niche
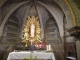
31,31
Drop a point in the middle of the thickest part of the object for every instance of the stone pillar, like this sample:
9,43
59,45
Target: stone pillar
75,31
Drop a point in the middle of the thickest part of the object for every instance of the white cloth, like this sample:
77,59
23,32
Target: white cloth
39,55
72,58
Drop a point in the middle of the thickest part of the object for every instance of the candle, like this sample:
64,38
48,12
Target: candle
48,47
41,45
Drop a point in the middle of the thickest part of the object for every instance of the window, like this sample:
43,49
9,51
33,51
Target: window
52,31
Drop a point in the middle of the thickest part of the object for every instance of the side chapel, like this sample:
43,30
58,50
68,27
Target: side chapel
34,22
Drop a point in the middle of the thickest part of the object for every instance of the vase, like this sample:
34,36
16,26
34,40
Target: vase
31,48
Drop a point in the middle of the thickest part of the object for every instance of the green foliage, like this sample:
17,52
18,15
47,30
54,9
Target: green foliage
26,59
31,58
35,58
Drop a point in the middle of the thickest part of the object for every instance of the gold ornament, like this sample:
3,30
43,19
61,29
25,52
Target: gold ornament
31,30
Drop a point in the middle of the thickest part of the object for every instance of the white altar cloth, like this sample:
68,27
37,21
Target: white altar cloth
39,55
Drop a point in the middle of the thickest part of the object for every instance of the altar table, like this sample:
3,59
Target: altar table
39,55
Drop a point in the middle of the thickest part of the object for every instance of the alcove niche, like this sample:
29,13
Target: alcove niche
10,36
52,37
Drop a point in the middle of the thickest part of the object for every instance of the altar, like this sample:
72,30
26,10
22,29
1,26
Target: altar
23,54
33,41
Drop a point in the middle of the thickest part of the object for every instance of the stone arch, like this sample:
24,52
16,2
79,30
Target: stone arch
68,11
54,15
61,3
7,16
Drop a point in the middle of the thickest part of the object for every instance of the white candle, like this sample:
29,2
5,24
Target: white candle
48,47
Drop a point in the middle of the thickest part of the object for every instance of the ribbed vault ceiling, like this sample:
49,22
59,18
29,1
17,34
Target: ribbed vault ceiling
41,8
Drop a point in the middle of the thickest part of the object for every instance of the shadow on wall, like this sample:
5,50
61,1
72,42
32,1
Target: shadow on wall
4,55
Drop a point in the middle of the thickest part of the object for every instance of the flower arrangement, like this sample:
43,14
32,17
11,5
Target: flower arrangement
31,58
